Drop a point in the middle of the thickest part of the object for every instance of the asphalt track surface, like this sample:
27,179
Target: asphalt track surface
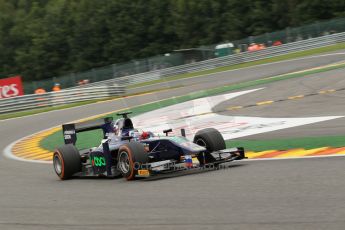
274,194
324,104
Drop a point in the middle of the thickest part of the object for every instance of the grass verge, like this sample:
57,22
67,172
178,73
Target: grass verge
43,110
89,139
220,69
247,64
52,108
289,143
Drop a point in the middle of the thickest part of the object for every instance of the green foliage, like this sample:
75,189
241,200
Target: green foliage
45,38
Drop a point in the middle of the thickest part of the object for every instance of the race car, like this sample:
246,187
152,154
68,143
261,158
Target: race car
128,152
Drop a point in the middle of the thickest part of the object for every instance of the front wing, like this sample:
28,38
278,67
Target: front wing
190,162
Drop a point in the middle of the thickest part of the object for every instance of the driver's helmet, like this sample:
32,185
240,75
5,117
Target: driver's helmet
146,135
140,135
115,126
135,134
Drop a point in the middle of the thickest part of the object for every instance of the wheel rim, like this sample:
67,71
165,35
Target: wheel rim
124,164
201,142
57,164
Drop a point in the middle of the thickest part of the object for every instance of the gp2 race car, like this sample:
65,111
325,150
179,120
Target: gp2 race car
127,152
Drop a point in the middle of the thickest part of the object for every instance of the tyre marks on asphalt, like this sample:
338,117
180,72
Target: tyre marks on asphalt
322,92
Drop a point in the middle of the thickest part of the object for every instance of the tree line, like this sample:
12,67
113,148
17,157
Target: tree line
45,38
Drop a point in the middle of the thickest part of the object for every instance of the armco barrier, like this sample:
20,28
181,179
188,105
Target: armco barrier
58,98
239,58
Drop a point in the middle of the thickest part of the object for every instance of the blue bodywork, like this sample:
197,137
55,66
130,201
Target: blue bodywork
160,147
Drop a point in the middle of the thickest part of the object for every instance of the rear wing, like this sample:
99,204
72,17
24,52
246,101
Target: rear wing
70,130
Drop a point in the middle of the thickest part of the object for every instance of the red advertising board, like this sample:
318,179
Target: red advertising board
11,87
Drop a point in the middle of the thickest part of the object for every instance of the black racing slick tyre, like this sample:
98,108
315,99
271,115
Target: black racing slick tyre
66,161
131,157
212,140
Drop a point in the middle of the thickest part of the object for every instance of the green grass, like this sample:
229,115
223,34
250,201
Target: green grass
247,64
288,143
85,140
92,138
52,108
89,139
42,110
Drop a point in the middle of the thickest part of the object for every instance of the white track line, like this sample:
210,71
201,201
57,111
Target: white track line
7,151
8,154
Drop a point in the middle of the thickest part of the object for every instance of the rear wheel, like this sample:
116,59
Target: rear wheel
212,140
130,158
66,161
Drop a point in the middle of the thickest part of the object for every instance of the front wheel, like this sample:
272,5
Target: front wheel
212,140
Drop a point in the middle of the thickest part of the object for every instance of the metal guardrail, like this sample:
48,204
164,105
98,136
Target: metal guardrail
239,58
62,97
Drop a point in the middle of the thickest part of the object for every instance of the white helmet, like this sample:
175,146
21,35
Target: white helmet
115,126
135,134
